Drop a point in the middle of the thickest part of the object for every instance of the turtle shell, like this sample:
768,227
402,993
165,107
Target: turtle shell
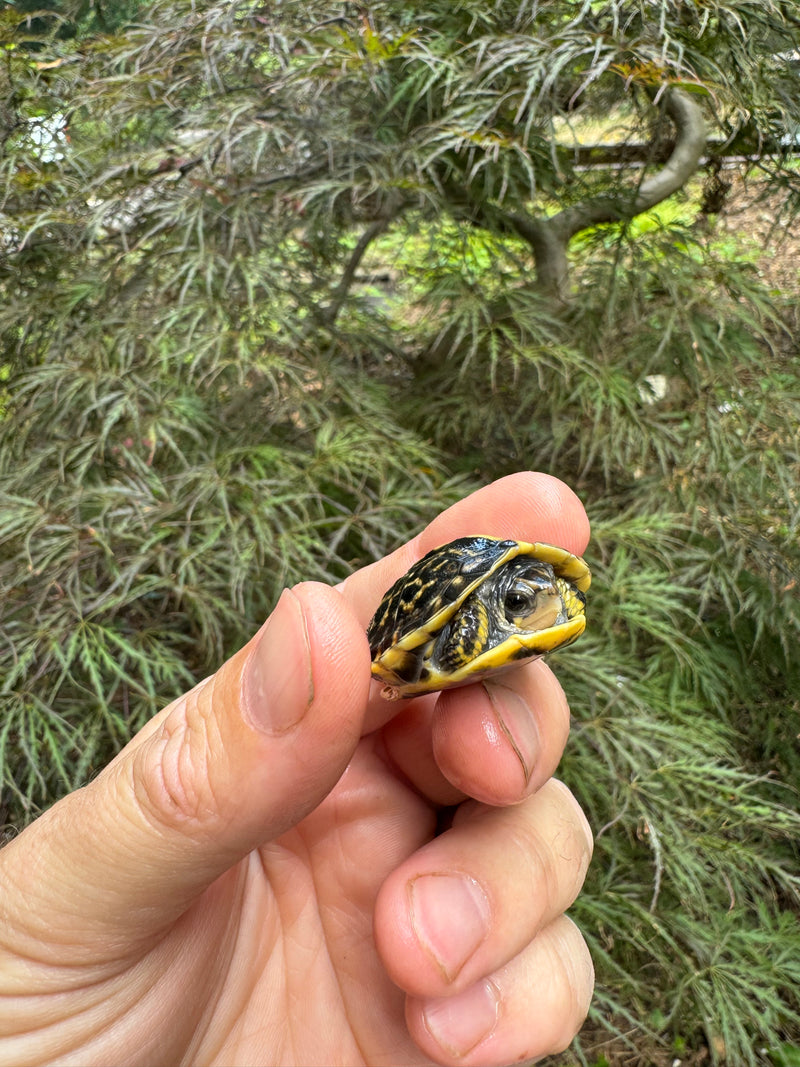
473,607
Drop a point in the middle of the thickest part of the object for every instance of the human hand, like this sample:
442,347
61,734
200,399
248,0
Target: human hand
262,875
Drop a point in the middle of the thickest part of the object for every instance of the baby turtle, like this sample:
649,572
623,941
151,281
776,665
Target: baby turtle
474,607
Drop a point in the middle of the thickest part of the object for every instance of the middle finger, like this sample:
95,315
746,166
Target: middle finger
497,741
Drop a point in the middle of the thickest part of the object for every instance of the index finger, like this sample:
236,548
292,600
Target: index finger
526,506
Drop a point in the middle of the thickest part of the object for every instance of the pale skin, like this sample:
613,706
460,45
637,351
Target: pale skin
283,868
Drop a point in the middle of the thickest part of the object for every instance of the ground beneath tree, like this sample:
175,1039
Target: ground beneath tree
603,1050
755,209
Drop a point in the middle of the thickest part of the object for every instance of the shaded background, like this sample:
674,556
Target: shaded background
279,281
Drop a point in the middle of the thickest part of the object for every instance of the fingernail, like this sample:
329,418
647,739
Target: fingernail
278,684
450,915
518,723
460,1023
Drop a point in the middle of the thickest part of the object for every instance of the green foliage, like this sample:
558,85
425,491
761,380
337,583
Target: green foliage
785,1056
78,18
263,313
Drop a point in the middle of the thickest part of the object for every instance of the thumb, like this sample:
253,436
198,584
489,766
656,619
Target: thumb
229,766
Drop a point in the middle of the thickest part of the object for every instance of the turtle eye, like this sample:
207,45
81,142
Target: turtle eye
531,607
520,601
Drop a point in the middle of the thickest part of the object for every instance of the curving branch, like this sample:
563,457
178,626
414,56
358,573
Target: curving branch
550,237
329,314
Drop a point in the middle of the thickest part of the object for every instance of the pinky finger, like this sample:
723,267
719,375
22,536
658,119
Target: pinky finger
532,1007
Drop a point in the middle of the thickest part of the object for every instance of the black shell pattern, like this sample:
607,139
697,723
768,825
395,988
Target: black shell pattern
438,580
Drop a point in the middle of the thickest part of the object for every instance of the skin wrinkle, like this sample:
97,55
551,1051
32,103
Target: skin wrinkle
227,944
212,743
351,807
56,1019
177,759
322,949
101,946
104,986
80,1042
328,936
234,882
200,724
112,968
30,952
203,1049
117,1033
228,1005
156,800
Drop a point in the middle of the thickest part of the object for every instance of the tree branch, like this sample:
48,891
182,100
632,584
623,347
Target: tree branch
550,237
328,314
681,165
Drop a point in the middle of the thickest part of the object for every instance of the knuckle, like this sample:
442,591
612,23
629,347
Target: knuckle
174,786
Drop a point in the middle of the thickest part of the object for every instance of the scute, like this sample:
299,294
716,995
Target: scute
443,623
432,589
